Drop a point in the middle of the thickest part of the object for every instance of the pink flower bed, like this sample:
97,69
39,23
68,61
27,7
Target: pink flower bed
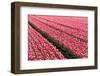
39,48
75,40
75,32
75,22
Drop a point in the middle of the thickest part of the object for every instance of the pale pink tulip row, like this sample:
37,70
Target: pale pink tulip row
76,46
77,33
40,48
75,22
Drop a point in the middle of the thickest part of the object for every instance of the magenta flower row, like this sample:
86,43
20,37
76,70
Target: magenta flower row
40,48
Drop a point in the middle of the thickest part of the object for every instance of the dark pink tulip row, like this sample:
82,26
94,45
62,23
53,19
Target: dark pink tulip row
76,46
77,33
40,48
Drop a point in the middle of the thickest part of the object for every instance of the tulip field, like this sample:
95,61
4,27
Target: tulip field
57,37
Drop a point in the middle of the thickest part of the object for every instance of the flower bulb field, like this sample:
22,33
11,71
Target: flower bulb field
57,37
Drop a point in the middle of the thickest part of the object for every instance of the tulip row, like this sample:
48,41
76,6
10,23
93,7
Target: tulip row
75,32
77,46
40,48
71,21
